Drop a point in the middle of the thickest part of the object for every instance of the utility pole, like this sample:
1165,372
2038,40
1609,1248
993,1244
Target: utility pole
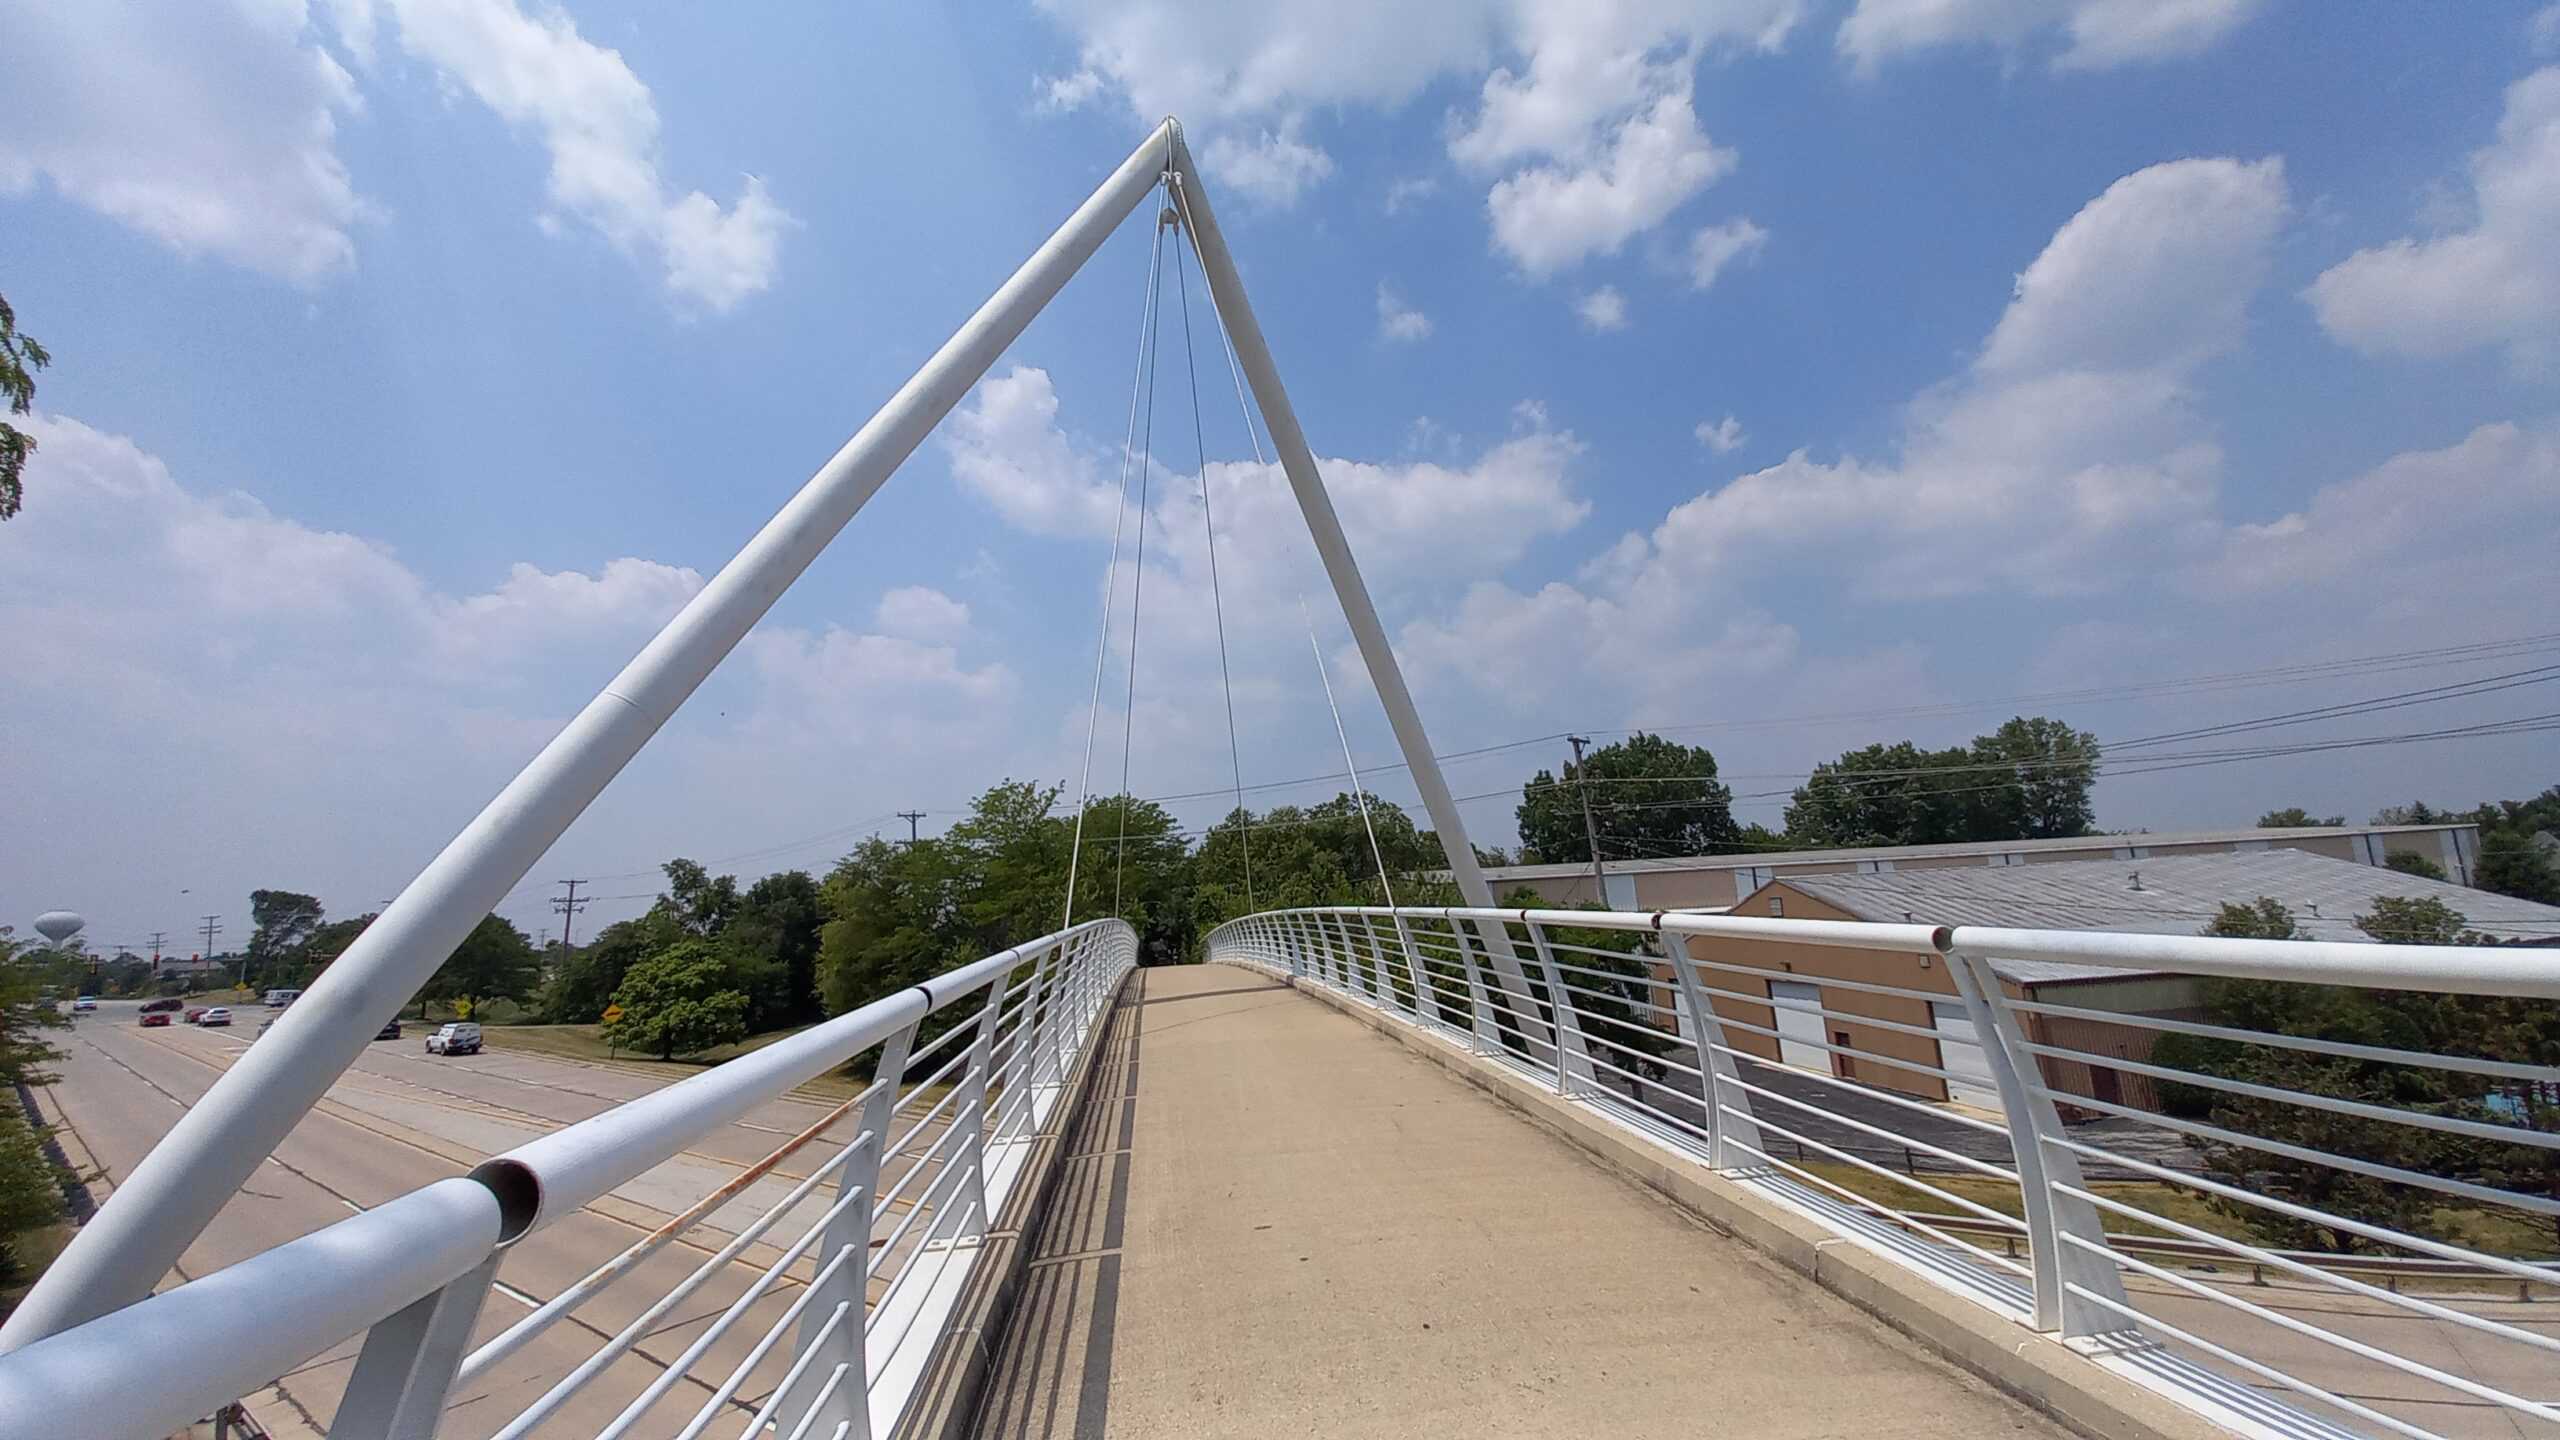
567,907
1590,827
213,926
156,937
911,817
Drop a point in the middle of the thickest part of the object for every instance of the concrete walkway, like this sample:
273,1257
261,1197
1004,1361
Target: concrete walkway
1275,1222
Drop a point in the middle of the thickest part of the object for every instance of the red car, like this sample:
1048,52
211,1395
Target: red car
153,1018
196,1013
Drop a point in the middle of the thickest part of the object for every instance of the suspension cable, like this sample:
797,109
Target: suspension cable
1359,792
1217,600
1138,573
1111,576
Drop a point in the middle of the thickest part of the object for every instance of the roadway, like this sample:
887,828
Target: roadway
400,1119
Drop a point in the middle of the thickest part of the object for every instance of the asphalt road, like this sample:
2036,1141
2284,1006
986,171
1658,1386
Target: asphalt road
401,1119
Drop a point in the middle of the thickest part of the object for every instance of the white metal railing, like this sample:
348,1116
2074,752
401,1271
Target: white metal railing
2087,1230
837,1292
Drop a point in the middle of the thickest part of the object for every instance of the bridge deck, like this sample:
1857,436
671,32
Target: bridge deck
1273,1221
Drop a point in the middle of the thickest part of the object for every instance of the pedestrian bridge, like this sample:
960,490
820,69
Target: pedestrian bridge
1370,1171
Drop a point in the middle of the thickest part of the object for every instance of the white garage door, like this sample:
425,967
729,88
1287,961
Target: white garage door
1960,1051
1799,1008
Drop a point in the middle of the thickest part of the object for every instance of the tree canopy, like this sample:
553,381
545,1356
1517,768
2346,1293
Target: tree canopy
20,357
678,1002
2027,780
2294,817
1649,796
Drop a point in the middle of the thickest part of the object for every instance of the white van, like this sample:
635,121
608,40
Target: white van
278,999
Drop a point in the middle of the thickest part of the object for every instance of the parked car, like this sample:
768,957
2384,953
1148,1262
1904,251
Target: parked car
390,1030
195,1013
278,999
166,1002
152,1018
462,1037
215,1016
85,1002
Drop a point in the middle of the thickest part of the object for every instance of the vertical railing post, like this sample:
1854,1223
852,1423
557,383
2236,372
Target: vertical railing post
1422,986
1481,1023
973,1100
2032,1118
1378,962
405,1370
1716,1068
1573,1054
849,1402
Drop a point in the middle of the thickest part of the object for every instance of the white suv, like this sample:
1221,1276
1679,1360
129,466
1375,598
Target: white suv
462,1037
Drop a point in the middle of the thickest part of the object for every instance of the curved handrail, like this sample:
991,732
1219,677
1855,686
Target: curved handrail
361,1274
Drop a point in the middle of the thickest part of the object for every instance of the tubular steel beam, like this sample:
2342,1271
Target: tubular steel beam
219,1142
1280,418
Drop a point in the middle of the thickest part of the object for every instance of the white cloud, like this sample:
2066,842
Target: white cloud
1398,321
245,674
1717,246
1071,91
600,124
921,613
1271,167
1006,446
2100,34
1567,89
2496,283
1603,309
2066,458
2450,527
210,127
1403,195
1552,216
1722,436
2542,32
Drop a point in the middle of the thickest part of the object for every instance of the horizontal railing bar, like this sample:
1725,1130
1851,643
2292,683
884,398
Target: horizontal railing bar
1974,1207
2318,1334
2383,1054
2487,1194
2454,1254
120,1373
1982,1167
2387,1114
1873,1206
1863,987
2457,969
2299,1386
2222,1246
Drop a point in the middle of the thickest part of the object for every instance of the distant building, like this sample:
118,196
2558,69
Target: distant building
188,965
1697,882
2176,895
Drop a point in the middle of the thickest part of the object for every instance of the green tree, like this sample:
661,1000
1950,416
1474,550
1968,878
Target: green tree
2480,1027
701,902
581,985
2397,919
494,962
677,1002
1649,796
2410,862
282,922
30,1193
2296,818
28,983
2028,780
771,942
2264,919
2516,864
20,357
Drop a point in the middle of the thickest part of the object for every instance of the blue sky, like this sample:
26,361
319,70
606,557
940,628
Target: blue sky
1695,363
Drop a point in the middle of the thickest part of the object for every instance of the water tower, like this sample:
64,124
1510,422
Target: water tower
58,926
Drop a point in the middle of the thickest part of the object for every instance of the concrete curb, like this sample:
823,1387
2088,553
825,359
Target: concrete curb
2034,1368
947,1403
